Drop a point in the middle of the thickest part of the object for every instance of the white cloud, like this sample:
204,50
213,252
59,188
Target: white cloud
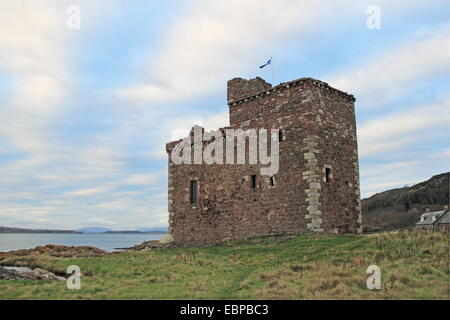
36,60
83,192
379,177
140,179
218,40
176,128
399,129
393,71
182,126
32,53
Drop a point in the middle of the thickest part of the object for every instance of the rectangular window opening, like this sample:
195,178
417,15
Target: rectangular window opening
272,182
327,174
254,185
193,192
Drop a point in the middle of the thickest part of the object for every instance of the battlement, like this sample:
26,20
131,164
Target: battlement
238,88
255,99
241,90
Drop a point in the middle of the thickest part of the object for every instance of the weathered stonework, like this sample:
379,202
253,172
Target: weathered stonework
315,190
312,177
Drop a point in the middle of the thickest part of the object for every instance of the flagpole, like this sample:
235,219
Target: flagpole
271,67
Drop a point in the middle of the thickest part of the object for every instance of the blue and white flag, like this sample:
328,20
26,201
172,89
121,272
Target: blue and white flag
267,63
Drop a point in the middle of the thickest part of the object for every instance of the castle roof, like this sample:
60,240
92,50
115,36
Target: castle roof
266,92
285,85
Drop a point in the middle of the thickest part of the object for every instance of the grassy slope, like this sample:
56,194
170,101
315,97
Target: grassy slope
413,265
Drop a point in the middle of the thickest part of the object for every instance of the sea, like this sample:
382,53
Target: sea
105,241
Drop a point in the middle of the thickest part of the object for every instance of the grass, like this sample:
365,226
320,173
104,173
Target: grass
414,265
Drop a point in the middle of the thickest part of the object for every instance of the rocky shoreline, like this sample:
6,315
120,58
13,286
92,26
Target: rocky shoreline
56,251
165,242
26,257
10,260
148,245
35,274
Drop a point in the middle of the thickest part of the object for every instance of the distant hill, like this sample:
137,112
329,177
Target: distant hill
401,207
110,231
93,230
90,230
23,230
154,230
137,231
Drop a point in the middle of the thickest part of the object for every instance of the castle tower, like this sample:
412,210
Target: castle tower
316,189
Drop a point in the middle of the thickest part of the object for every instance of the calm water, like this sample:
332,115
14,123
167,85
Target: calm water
108,242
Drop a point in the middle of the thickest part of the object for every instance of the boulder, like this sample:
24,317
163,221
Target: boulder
8,274
41,274
165,242
167,238
35,274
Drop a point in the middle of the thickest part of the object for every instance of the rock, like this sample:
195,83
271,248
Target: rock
153,244
167,238
7,274
41,274
56,251
36,274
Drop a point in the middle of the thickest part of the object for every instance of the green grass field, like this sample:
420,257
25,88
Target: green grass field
414,265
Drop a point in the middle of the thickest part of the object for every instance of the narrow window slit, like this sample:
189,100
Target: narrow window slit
193,192
254,185
272,181
327,174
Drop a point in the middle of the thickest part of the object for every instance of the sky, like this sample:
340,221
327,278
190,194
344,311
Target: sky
87,108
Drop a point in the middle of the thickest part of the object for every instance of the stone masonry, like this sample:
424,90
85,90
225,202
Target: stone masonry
316,189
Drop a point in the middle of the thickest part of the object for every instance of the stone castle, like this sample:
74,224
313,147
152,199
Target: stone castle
316,189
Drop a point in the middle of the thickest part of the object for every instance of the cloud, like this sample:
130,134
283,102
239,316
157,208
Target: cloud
380,176
401,128
175,128
391,72
182,126
140,179
32,54
83,192
217,40
44,172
